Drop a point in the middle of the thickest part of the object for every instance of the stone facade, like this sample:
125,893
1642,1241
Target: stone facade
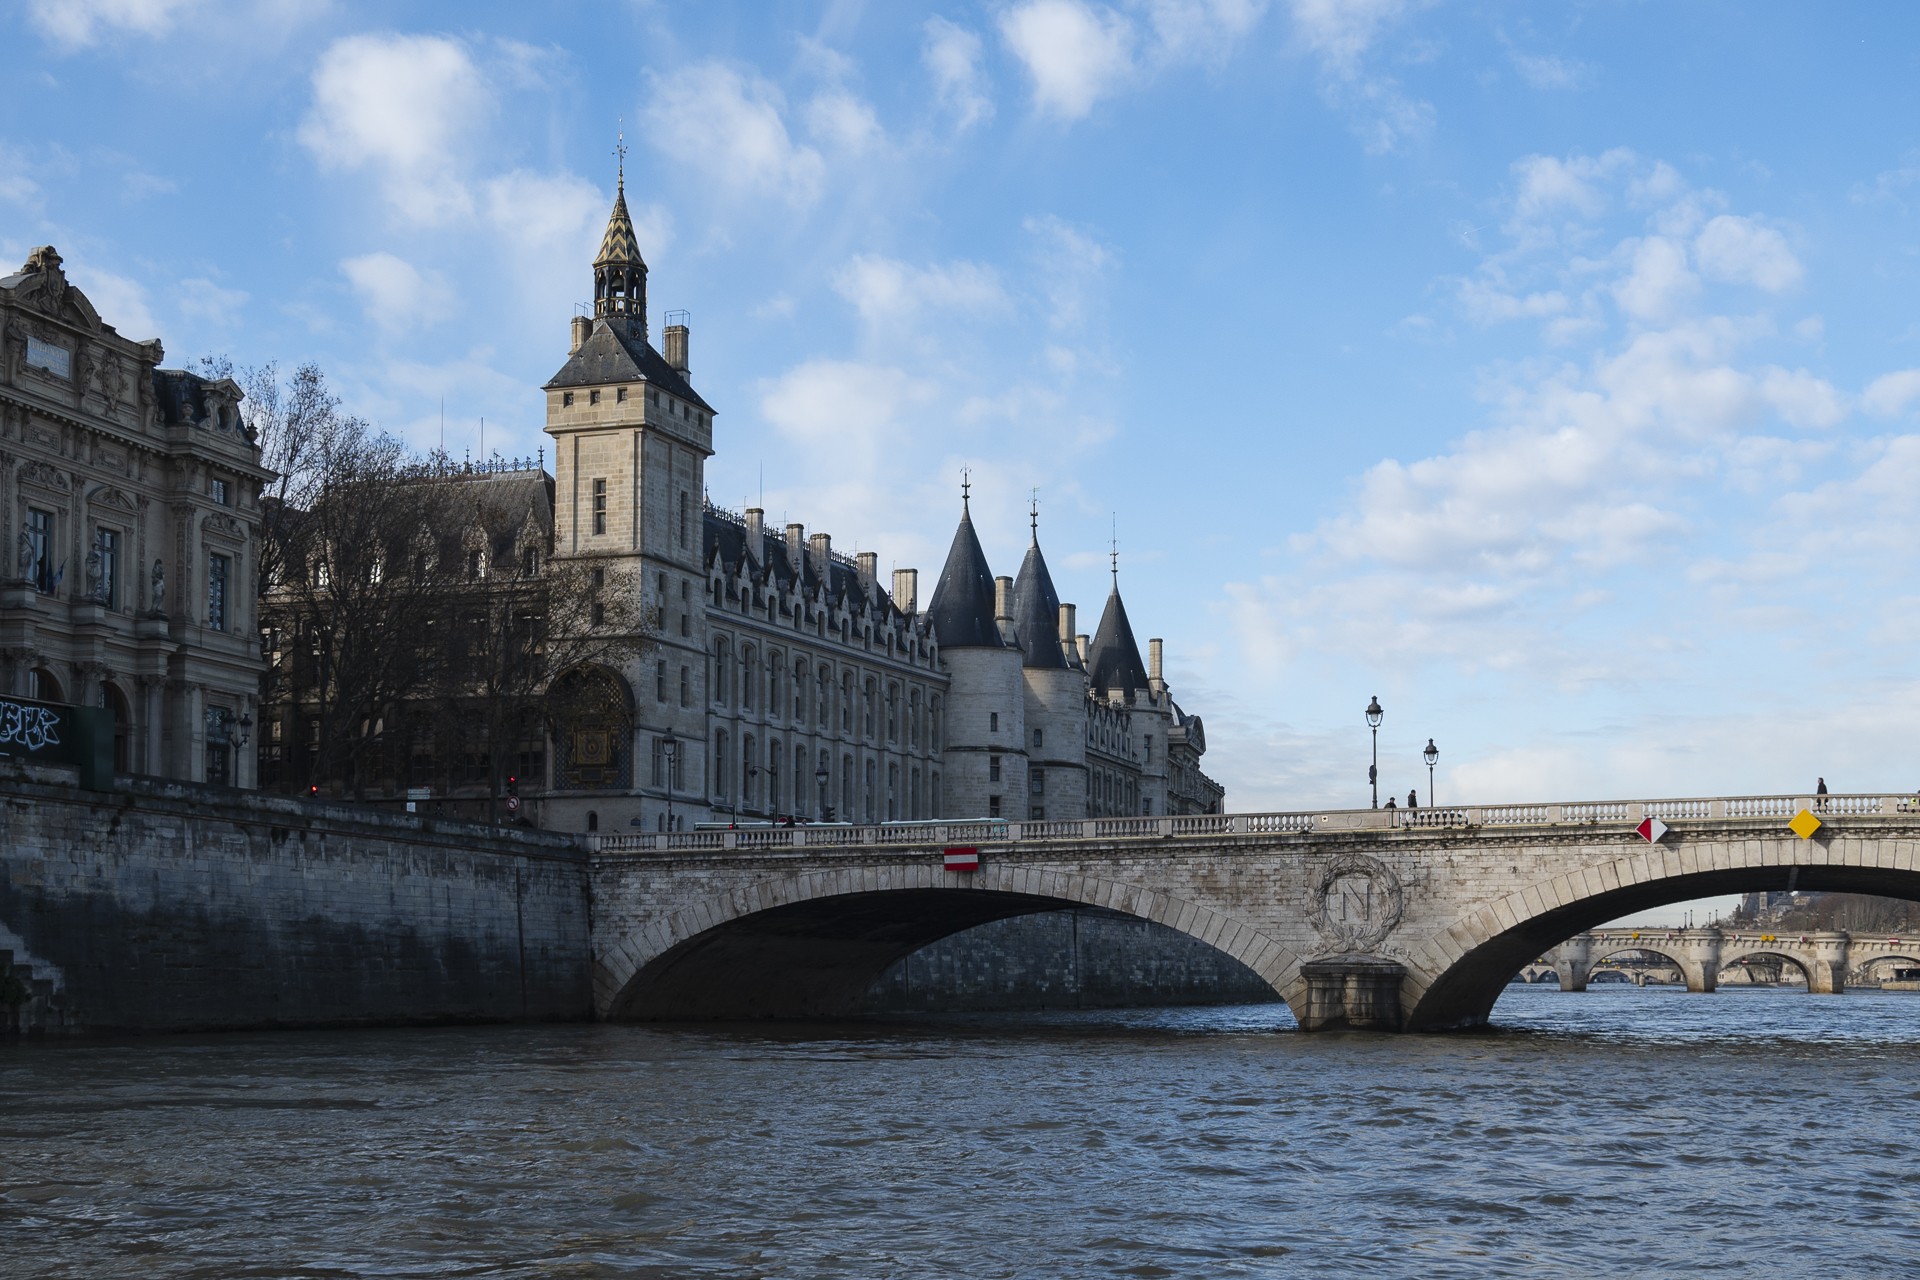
131,495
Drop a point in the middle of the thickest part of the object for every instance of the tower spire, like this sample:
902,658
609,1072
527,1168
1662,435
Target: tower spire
619,272
1033,513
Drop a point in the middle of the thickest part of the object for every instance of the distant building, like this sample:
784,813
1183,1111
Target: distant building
787,681
132,496
783,680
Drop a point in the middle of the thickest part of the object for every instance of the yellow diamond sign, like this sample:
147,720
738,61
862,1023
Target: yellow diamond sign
1804,824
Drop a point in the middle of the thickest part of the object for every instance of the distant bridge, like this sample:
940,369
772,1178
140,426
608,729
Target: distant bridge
1825,958
1405,919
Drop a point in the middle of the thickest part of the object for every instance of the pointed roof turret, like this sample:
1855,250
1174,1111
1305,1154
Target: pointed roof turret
962,607
1036,608
619,272
1114,661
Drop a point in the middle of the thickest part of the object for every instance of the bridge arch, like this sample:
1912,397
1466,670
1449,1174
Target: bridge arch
811,944
1456,975
1796,957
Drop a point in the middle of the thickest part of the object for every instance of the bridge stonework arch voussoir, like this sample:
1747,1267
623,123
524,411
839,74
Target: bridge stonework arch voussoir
629,967
1457,971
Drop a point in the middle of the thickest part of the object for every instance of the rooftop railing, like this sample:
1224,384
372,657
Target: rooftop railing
1228,826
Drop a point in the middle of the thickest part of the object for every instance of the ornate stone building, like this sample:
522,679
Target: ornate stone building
131,492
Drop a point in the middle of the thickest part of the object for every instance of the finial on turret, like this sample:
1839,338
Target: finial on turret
1033,513
1113,552
620,150
966,486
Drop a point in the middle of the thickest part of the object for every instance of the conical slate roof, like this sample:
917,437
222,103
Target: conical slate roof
962,607
1036,612
1114,662
619,246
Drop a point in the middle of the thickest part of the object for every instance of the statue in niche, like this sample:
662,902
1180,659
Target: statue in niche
96,579
159,588
27,556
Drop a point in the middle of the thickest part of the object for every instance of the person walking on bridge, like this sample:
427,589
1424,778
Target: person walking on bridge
1820,794
1413,798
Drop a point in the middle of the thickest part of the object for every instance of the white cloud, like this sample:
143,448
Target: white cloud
395,294
1659,283
200,299
843,121
1550,186
1739,250
729,128
1340,31
1071,266
885,290
952,57
1803,399
1201,28
404,108
1543,71
1075,52
853,406
74,24
1889,395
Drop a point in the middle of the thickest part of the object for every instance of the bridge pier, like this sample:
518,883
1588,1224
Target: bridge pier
1352,993
1827,969
1573,962
1698,954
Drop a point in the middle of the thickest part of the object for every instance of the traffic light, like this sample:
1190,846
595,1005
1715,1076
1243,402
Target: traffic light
313,791
513,785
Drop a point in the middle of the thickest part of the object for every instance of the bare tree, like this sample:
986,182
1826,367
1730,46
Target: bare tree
509,639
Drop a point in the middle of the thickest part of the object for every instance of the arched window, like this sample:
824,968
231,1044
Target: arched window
592,713
774,706
749,676
934,728
871,792
867,710
44,685
773,777
116,703
800,691
847,813
893,793
749,772
823,697
593,820
913,718
806,792
720,763
846,702
893,711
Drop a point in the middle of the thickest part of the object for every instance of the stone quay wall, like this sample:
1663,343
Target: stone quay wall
171,907
1088,958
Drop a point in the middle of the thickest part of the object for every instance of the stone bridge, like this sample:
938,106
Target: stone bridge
1826,958
1388,919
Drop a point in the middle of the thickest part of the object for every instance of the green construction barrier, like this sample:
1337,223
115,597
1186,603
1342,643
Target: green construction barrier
57,733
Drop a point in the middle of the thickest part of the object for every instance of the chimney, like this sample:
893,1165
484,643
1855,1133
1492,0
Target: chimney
756,519
1003,599
1066,624
821,544
906,589
796,546
869,562
1084,643
1154,679
582,327
675,336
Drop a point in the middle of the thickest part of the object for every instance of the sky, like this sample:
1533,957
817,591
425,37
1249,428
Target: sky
1550,372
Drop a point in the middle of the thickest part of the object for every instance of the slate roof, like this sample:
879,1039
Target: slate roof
611,354
1114,661
1036,613
962,607
770,563
619,244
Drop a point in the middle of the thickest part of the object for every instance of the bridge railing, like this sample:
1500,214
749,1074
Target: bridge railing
1226,826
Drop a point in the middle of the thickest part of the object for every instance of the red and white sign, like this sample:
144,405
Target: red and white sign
1651,830
965,858
513,804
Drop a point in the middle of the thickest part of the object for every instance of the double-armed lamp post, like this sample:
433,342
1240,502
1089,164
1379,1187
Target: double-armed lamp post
1374,715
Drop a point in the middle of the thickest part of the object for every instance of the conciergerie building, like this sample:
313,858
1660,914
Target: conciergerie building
787,680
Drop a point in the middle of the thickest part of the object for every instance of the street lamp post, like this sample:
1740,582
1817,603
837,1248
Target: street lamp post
670,748
1374,715
1432,756
820,776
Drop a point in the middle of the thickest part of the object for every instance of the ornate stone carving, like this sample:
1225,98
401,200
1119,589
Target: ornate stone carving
1357,902
159,586
45,476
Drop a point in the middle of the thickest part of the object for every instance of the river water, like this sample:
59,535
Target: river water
1619,1132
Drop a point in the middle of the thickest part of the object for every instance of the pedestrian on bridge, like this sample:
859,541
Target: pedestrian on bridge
1413,798
1820,794
1388,804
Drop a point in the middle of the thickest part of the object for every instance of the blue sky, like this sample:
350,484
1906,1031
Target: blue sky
1550,371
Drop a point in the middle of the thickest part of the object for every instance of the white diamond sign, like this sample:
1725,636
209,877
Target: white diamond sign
1651,830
